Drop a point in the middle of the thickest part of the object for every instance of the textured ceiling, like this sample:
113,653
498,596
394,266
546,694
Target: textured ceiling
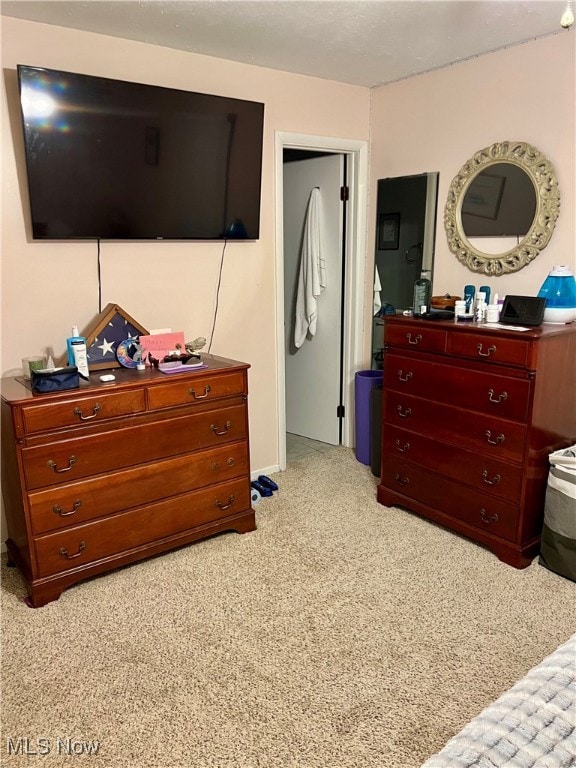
364,42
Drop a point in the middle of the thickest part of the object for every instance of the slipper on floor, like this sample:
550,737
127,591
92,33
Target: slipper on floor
262,489
267,482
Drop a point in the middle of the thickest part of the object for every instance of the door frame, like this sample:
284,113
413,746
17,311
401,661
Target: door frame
355,270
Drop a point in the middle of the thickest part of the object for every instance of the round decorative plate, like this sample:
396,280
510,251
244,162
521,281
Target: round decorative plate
128,353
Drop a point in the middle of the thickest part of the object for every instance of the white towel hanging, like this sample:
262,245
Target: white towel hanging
311,275
377,289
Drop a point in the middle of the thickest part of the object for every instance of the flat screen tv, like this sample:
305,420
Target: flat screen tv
108,159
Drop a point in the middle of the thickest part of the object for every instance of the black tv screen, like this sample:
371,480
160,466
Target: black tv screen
108,159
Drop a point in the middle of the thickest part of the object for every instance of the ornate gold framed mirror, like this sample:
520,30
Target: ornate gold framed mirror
502,207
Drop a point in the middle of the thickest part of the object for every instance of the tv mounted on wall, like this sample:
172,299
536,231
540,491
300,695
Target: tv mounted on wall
115,160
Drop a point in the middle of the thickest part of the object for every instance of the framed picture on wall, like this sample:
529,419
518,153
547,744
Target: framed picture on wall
388,231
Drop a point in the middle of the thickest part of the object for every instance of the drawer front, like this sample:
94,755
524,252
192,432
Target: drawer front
81,410
74,503
491,436
201,389
83,544
502,396
415,337
485,473
490,348
487,513
64,461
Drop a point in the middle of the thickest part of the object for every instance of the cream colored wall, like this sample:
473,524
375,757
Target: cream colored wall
47,287
436,121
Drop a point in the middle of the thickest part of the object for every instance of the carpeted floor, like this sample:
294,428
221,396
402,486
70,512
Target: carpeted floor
340,634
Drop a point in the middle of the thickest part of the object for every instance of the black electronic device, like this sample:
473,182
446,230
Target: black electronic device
116,160
438,314
523,310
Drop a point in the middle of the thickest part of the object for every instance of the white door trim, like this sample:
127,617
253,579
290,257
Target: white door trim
357,153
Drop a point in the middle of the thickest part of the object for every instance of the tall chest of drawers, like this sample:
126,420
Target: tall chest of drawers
470,415
107,474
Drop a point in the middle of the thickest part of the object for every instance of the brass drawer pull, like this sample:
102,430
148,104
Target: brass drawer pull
401,480
497,440
402,448
405,376
231,501
495,480
54,467
64,552
488,352
207,391
403,412
216,465
488,518
78,412
214,428
500,399
417,339
57,509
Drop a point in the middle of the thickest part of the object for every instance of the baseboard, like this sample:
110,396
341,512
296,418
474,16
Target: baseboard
266,471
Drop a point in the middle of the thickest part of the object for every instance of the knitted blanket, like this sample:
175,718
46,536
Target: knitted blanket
532,725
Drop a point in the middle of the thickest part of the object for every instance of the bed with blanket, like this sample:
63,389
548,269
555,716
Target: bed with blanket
532,725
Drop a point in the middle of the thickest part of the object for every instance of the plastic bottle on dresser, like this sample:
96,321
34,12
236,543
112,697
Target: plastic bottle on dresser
469,294
77,352
493,310
480,313
486,291
422,294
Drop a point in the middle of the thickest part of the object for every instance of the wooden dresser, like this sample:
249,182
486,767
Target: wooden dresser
470,415
107,474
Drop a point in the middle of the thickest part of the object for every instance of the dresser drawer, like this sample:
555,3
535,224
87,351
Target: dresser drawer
83,500
494,437
490,348
415,337
64,461
201,389
79,410
488,513
83,544
485,391
484,473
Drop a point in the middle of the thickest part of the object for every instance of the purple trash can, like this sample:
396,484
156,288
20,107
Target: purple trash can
364,381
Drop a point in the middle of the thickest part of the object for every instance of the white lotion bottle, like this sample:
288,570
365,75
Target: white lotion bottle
77,352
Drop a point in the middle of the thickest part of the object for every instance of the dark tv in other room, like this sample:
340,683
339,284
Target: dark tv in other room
115,160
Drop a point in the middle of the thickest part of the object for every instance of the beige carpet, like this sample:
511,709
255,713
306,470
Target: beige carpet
340,634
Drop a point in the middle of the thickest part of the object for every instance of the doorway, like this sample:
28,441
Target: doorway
314,215
353,274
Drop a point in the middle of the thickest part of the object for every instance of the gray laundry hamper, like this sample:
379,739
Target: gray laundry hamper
558,545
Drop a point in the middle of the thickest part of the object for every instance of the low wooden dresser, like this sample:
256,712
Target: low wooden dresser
470,415
107,474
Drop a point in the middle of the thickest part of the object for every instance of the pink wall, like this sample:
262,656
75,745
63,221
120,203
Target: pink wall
436,121
433,122
47,287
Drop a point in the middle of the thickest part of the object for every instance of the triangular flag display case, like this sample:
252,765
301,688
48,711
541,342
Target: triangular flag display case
108,329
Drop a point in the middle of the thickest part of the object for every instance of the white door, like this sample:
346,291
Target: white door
313,372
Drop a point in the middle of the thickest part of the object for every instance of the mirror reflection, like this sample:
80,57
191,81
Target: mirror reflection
501,208
405,233
500,202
